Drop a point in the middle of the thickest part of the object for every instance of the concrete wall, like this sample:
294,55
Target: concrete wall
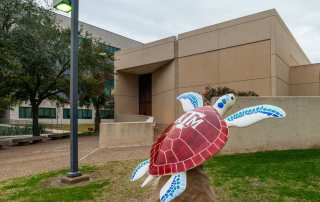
235,54
164,94
305,80
299,130
157,52
133,118
121,134
245,67
126,94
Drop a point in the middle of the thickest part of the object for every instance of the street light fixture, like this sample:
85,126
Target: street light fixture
73,6
62,5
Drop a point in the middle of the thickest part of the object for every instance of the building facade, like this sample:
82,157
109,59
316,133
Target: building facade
255,52
49,112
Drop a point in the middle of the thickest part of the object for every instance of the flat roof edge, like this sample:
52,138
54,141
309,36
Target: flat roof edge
312,64
228,23
147,45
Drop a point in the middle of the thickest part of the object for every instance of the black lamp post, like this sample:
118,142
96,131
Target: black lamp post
73,6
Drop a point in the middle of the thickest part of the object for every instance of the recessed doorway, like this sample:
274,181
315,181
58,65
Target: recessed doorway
145,94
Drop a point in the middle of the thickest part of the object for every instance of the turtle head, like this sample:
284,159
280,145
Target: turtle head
224,103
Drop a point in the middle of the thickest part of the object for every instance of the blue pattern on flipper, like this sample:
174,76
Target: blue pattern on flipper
177,183
193,98
138,167
263,109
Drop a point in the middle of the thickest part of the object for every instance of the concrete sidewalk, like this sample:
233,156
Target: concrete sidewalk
53,155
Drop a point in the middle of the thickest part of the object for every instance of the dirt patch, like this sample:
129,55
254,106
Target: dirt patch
121,188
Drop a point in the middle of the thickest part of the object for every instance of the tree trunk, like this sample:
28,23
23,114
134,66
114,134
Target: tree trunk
97,121
198,187
35,119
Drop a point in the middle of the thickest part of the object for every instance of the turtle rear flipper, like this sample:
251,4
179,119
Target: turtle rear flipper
251,115
174,187
140,170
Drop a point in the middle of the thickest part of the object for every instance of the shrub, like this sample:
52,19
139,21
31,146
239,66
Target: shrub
211,92
87,134
42,128
18,130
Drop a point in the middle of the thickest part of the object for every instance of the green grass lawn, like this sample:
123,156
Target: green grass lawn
110,182
32,188
267,176
263,176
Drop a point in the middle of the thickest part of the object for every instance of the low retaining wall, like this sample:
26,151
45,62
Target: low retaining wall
122,134
132,118
299,130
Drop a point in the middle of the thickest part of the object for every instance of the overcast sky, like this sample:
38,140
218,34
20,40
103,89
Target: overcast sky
149,20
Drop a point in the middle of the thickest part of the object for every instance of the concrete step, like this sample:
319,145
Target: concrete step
4,143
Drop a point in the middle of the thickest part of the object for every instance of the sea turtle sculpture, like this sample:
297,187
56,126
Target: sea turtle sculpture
194,137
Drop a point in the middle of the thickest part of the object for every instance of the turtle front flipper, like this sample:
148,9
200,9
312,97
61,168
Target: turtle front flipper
251,115
190,101
140,170
174,187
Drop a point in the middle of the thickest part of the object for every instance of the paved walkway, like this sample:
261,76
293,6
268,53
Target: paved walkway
54,154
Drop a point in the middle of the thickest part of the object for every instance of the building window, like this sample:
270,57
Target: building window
25,113
85,113
109,86
111,49
82,113
66,113
106,114
44,113
47,113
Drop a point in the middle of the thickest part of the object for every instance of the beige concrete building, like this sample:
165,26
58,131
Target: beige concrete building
255,52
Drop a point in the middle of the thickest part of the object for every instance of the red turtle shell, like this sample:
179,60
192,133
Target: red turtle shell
189,141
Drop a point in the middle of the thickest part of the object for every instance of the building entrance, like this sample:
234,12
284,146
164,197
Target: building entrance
145,94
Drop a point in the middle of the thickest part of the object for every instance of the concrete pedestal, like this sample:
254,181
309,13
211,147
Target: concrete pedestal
74,180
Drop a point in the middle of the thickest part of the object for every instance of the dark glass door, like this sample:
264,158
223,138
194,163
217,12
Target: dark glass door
145,94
